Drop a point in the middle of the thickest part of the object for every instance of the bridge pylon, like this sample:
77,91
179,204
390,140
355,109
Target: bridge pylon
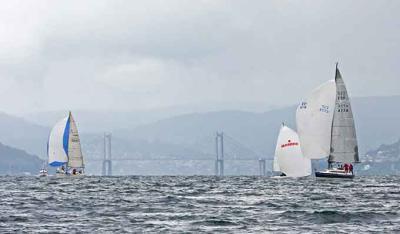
107,163
219,146
262,164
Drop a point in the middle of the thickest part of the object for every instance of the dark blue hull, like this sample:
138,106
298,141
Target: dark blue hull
333,175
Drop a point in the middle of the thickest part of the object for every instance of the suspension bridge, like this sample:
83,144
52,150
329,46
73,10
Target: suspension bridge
227,149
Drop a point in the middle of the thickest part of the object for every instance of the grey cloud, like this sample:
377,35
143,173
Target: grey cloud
152,54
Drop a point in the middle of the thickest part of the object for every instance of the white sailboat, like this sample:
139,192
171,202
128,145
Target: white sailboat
326,128
64,148
43,172
289,159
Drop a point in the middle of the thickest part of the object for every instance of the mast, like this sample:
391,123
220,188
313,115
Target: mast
344,146
337,73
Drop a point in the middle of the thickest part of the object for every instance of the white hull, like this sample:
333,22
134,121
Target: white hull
43,173
278,177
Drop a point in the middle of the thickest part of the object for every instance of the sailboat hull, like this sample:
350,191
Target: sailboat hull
334,174
43,173
68,175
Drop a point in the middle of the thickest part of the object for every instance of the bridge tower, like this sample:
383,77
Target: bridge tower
219,145
262,164
107,163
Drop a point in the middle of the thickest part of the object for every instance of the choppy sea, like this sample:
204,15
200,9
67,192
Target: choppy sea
199,204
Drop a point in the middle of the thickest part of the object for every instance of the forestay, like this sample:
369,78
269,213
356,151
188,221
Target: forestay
289,156
314,121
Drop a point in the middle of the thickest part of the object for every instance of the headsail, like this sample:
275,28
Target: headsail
314,121
57,146
289,156
75,158
344,147
275,166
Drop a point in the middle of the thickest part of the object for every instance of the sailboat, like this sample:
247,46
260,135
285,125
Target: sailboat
64,148
326,129
43,172
289,160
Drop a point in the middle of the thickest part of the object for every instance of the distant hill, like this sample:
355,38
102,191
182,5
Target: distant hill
95,121
16,162
109,120
193,135
197,131
375,117
377,121
383,160
22,134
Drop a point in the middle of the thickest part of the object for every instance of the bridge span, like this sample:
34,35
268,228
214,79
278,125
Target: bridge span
219,158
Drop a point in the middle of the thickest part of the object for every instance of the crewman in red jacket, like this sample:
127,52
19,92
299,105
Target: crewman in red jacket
346,167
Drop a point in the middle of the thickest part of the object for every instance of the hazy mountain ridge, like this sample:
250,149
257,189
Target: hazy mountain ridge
385,152
193,135
20,133
16,162
253,130
110,120
383,160
375,119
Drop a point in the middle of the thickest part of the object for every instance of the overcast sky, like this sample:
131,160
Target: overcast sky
129,55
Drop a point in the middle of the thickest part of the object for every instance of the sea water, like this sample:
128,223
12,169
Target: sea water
199,204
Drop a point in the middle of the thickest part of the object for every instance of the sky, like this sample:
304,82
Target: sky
134,55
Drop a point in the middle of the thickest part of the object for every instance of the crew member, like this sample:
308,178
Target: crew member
346,167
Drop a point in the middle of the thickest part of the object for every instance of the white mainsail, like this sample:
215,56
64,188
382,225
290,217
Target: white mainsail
344,147
314,121
64,145
57,145
75,158
289,156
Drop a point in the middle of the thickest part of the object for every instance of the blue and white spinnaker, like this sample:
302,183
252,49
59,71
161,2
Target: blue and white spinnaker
64,147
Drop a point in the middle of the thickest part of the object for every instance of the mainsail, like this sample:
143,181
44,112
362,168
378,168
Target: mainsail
344,147
64,146
289,156
75,159
314,121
